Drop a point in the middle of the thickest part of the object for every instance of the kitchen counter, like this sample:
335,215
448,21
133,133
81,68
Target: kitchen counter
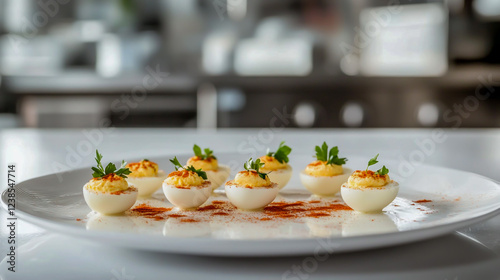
470,253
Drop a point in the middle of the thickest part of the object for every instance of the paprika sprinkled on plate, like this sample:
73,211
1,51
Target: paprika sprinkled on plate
147,211
422,201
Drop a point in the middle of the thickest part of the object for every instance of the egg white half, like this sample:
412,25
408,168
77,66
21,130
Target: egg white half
110,204
281,176
368,200
219,176
251,199
188,198
324,185
147,185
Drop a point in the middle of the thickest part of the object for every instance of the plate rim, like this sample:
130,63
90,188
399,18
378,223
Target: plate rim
116,237
376,240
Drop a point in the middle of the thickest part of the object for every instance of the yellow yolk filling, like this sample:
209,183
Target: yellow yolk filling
367,179
107,184
271,164
144,168
184,178
320,168
203,164
251,179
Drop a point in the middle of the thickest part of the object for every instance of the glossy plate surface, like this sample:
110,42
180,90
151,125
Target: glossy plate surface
432,201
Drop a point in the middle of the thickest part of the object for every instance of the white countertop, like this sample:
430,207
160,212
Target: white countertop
471,253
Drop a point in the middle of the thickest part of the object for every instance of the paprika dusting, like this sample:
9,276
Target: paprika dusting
299,209
151,212
274,211
422,201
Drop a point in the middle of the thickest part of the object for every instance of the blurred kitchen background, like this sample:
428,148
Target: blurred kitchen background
243,63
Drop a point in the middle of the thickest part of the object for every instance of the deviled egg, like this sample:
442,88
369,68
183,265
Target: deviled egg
205,160
324,176
146,177
251,189
186,187
108,192
276,165
369,191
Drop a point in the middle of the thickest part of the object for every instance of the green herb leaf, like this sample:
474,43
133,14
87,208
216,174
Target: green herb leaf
178,165
255,166
337,161
333,152
200,172
98,158
145,159
281,153
208,153
100,171
97,172
320,155
324,150
331,157
372,161
110,168
197,151
382,171
123,171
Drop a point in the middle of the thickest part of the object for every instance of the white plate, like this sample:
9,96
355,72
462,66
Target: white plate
459,199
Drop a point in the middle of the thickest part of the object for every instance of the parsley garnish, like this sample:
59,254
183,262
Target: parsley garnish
382,171
208,153
281,153
178,165
255,165
331,157
100,171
